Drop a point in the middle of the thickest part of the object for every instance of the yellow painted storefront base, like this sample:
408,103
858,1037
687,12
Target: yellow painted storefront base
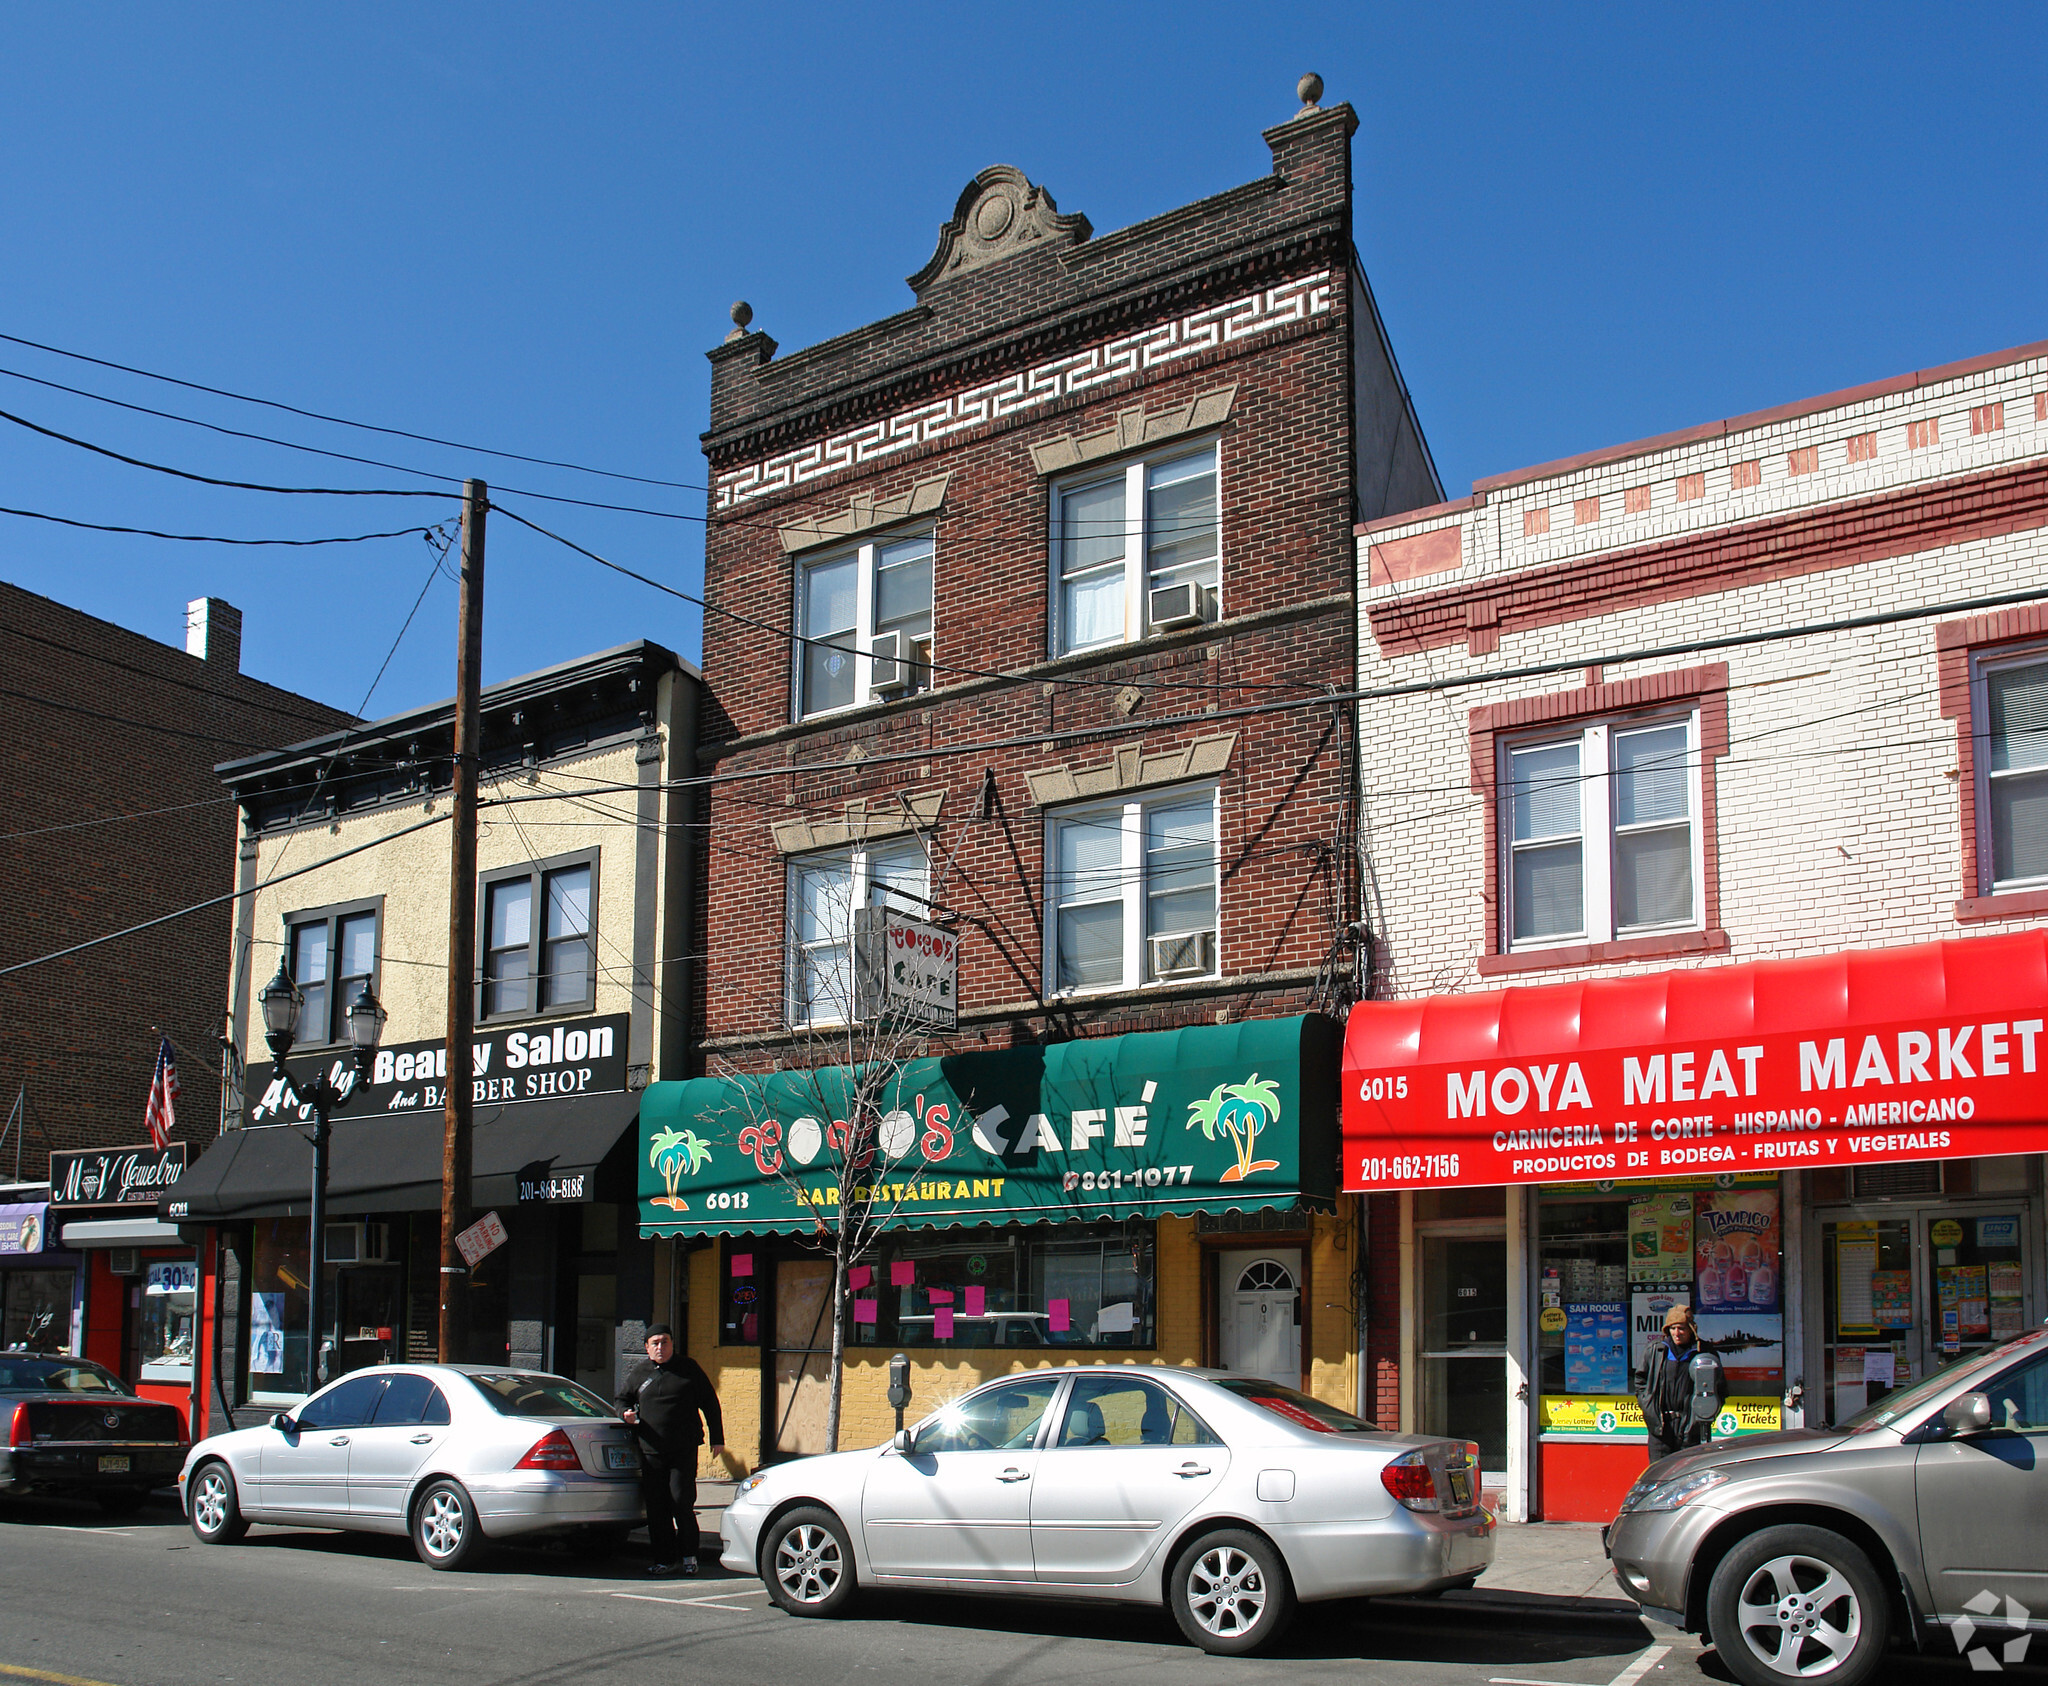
1329,1318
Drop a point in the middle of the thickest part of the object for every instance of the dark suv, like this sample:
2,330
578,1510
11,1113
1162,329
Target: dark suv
1802,1555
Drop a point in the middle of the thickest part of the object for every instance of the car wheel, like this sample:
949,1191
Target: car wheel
444,1527
1230,1593
121,1501
216,1511
807,1563
1798,1603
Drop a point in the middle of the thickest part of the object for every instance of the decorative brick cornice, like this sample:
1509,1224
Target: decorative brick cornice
1130,768
1840,535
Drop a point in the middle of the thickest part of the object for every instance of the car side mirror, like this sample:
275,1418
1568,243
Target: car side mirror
905,1441
1967,1413
283,1423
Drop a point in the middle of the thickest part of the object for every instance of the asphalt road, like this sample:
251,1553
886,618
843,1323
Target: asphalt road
140,1602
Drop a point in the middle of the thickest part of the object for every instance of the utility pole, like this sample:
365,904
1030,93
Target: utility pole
460,1089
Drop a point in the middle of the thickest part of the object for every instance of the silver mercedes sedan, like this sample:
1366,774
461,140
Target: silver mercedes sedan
1226,1498
454,1455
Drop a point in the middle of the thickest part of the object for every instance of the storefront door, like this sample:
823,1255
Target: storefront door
803,1356
1909,1288
1259,1312
1463,1323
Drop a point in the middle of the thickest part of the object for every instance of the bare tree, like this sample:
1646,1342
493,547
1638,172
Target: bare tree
853,1135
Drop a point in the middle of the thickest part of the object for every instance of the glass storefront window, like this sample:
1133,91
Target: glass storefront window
168,1318
1010,1288
277,1309
35,1309
1613,1261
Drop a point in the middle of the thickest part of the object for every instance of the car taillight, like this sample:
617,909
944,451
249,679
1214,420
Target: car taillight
18,1430
551,1451
1411,1481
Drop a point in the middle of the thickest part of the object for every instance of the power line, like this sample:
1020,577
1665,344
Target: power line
340,421
797,638
210,480
208,538
215,901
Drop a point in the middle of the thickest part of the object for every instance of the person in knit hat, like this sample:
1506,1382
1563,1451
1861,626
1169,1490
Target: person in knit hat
1673,1374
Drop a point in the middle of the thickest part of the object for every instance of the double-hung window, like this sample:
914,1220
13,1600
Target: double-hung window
1602,832
333,955
866,618
2012,797
540,939
1133,893
1135,550
824,890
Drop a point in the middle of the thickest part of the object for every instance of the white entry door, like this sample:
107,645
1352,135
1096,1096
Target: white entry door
1258,1303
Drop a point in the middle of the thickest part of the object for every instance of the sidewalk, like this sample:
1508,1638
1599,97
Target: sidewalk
1557,1566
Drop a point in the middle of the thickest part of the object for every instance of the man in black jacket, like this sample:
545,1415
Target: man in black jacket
1674,1371
663,1399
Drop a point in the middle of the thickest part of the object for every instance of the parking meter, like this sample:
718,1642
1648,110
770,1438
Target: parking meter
1706,1386
899,1384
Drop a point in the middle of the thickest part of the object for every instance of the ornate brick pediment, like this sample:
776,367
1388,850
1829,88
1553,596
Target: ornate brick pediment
1130,768
861,820
999,215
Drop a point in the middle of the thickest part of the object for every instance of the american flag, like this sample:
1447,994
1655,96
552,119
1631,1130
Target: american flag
161,1115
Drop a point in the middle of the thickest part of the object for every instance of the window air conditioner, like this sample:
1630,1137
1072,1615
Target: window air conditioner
891,669
1191,954
1175,605
124,1261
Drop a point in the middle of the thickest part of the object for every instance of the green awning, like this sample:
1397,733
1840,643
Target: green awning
1211,1119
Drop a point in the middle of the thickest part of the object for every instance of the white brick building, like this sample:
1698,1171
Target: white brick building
1658,797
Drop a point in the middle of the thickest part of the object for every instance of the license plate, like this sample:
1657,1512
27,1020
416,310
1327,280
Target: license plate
113,1463
1461,1487
621,1457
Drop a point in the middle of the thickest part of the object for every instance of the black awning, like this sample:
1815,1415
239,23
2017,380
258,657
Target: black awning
388,1164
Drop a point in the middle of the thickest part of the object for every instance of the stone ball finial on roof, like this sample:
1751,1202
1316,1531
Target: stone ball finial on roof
1310,88
742,314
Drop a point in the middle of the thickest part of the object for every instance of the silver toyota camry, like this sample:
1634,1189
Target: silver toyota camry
1226,1498
453,1455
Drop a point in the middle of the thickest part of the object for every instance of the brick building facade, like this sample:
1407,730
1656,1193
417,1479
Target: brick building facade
1761,695
1092,497
109,723
115,817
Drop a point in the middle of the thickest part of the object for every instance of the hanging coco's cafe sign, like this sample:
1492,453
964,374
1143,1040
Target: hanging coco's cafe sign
1207,1119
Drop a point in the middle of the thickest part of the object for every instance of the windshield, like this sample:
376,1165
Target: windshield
1906,1400
517,1395
1301,1409
56,1375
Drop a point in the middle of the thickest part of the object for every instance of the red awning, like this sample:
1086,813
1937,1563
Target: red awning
1931,1052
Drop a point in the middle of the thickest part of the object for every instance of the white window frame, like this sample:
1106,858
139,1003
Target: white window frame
1128,814
1595,739
1982,665
1137,569
864,555
860,892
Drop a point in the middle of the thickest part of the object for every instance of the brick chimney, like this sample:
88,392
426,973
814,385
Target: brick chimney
213,633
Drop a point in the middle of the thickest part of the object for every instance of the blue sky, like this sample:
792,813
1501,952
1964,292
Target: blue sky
520,226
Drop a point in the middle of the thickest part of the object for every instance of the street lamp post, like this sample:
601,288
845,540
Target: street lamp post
281,1002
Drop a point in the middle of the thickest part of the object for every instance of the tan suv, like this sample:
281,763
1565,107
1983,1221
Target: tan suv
1803,1555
